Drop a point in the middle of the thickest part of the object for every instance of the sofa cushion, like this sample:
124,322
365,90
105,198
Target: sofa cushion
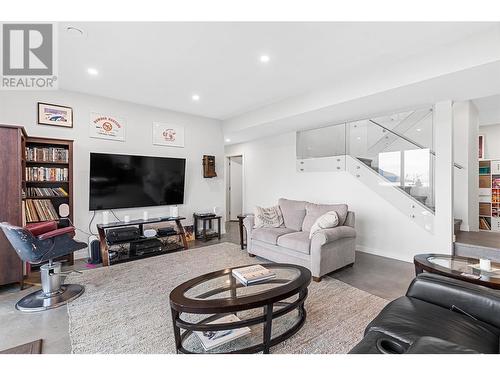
293,213
269,235
408,318
314,211
298,241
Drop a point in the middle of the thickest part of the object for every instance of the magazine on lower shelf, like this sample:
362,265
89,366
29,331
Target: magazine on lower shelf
213,339
253,274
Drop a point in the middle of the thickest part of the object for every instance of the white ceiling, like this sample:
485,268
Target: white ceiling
164,64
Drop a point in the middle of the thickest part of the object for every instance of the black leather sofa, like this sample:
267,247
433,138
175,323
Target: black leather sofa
437,315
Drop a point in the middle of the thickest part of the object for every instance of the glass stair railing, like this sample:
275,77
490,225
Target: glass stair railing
398,147
404,163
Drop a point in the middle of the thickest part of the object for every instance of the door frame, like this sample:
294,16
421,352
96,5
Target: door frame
227,176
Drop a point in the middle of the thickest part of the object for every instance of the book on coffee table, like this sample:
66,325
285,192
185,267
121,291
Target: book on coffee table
253,274
213,339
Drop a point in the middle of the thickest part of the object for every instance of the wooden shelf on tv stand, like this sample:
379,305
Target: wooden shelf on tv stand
102,228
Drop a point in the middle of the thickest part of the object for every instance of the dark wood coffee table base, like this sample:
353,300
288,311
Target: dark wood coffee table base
284,296
266,318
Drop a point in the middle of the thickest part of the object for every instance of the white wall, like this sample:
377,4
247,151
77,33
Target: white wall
491,141
465,151
236,187
270,173
202,136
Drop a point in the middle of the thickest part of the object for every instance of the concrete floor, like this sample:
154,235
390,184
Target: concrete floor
485,239
478,245
384,277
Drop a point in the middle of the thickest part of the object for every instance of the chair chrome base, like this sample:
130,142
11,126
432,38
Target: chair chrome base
40,301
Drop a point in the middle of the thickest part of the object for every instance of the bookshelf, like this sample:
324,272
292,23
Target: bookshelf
14,186
489,195
48,179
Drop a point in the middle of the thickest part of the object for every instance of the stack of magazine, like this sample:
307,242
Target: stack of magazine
253,274
212,339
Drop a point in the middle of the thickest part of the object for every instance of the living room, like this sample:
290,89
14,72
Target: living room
201,187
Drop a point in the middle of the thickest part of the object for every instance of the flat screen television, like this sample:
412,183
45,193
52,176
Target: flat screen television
126,181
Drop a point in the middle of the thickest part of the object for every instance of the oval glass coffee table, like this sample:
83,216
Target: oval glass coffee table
268,312
457,267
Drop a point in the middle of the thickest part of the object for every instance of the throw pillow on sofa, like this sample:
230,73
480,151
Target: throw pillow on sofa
268,217
313,211
328,220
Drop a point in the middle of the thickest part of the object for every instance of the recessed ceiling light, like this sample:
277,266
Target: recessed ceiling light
419,130
195,97
264,59
74,31
92,71
228,140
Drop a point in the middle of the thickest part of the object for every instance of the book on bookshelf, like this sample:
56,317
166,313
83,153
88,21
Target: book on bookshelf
252,274
213,339
39,210
46,192
36,174
47,154
484,224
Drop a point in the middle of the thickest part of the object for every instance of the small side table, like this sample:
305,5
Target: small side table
243,243
204,235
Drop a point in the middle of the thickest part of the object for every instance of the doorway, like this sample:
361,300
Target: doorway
234,186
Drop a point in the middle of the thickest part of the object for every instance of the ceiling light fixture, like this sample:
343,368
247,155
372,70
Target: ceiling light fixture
92,71
228,140
195,97
264,59
419,130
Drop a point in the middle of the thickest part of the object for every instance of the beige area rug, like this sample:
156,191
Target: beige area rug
125,308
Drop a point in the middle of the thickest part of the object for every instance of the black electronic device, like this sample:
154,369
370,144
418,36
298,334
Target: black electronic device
94,251
166,231
151,245
124,181
205,214
122,234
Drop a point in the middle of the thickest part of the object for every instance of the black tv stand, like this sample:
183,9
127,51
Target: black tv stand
105,246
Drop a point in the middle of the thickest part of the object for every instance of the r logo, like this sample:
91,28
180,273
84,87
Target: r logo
27,49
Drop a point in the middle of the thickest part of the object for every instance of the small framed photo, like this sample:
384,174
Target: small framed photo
56,115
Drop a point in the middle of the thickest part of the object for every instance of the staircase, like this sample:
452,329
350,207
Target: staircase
389,154
399,198
422,199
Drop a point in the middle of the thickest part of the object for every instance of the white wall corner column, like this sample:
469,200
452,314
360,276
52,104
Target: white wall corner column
443,140
465,151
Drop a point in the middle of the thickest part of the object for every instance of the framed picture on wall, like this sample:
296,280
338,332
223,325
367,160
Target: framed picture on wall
168,134
107,127
481,147
55,115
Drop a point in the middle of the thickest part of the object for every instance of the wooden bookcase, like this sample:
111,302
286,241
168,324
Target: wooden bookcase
14,187
11,183
489,195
